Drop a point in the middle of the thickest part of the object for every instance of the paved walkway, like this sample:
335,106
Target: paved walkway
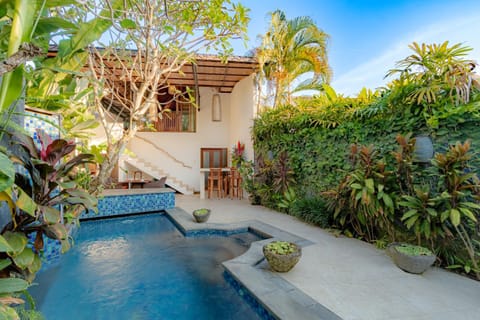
352,278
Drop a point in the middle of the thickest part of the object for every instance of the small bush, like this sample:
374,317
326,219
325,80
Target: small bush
312,210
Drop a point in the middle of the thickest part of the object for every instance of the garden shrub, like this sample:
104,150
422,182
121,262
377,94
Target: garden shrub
312,210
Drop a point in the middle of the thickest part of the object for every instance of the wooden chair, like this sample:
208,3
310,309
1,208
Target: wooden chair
226,182
215,182
235,184
137,175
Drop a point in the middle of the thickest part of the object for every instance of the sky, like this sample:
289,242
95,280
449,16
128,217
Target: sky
367,37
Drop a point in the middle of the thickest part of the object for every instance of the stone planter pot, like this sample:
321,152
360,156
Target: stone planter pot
282,262
423,151
201,215
416,264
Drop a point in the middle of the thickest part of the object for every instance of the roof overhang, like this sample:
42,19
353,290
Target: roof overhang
210,71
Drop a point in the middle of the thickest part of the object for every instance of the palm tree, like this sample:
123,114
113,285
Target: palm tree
437,71
290,49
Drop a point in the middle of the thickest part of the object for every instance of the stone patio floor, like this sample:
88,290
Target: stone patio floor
354,279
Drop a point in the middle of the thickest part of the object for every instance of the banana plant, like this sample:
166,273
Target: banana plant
55,84
21,13
28,24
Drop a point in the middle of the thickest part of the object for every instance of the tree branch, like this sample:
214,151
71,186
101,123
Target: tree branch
26,52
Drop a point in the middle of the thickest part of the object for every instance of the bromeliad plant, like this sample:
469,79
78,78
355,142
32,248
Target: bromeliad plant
41,190
238,154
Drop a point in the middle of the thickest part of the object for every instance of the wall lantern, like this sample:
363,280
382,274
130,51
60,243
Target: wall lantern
423,149
216,107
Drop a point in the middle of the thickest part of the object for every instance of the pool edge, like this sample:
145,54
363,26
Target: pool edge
278,296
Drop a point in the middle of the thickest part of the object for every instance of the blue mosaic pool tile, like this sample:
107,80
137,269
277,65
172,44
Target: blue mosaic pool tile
214,232
134,203
248,298
49,124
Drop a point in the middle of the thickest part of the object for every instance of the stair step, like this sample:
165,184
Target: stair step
158,173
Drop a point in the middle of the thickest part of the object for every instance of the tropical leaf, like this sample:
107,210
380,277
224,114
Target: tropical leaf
5,263
330,92
26,203
36,264
50,215
4,246
16,240
24,259
7,172
469,214
128,24
88,32
409,214
48,25
23,19
9,285
56,231
455,217
8,312
13,84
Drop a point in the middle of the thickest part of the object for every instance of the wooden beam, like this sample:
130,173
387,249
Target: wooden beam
246,65
204,83
203,76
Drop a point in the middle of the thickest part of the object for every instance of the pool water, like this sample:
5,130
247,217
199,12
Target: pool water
142,267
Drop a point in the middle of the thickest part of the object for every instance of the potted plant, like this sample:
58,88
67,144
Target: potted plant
201,215
282,256
411,258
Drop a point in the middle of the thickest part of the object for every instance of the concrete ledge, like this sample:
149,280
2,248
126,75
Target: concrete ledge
122,192
276,295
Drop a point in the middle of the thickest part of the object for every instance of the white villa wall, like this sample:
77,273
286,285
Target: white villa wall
237,115
185,146
241,115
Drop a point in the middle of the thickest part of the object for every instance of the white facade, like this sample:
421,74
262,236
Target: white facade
178,154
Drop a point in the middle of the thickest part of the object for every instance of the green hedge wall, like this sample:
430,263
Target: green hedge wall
318,153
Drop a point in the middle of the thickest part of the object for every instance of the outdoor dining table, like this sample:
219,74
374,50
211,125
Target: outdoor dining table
202,180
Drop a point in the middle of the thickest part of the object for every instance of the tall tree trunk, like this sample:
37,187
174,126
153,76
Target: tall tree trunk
278,93
114,151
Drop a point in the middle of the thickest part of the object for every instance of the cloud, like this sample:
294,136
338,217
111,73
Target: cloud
371,73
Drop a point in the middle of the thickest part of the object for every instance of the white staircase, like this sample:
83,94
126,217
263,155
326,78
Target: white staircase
155,172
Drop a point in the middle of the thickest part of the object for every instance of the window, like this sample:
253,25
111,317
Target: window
180,117
179,114
213,157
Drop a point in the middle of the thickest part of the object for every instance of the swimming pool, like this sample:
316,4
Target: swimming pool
142,267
